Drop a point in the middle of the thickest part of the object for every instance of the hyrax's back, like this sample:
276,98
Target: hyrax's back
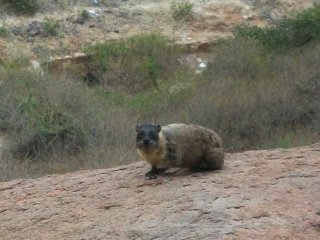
194,146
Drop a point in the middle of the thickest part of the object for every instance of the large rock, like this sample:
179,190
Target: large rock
269,194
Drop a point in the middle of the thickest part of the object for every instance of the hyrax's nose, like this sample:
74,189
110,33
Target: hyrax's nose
146,142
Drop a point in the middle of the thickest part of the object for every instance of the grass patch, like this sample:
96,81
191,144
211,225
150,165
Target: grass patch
301,28
251,108
133,64
25,7
42,117
50,27
85,14
4,32
181,9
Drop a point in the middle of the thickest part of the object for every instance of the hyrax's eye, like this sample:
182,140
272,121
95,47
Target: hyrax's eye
140,135
153,135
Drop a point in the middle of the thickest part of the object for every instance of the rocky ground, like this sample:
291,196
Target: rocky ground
269,194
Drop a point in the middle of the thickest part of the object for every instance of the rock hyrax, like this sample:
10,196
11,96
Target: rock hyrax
179,145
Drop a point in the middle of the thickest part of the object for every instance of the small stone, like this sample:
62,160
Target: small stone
92,12
95,2
202,65
248,17
107,10
34,28
17,30
80,20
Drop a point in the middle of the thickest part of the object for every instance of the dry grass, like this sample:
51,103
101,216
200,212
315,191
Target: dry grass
56,126
273,96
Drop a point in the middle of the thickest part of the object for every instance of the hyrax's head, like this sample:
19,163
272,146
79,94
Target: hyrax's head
147,136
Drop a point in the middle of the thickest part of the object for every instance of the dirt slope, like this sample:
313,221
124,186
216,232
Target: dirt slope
210,20
270,194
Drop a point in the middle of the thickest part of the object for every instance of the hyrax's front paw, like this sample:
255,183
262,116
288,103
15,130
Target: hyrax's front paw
152,174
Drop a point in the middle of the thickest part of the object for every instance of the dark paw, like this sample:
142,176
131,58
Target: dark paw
151,175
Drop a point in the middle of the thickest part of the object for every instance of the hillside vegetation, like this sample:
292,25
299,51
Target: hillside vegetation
261,89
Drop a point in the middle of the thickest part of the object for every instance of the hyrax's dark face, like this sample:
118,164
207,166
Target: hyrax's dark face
147,136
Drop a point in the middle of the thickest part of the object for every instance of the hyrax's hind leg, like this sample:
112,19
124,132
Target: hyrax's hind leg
214,159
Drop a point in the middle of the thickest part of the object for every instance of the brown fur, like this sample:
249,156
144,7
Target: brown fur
182,145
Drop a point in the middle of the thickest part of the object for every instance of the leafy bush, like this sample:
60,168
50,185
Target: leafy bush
181,9
135,63
28,7
50,27
296,31
3,31
85,14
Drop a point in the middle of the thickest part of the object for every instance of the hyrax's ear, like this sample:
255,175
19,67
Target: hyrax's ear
137,127
158,128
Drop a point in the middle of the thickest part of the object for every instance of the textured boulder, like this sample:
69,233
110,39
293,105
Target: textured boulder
268,194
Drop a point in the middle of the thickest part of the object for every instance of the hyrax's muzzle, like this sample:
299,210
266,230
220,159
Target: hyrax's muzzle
147,136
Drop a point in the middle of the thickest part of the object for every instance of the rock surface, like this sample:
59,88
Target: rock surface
268,194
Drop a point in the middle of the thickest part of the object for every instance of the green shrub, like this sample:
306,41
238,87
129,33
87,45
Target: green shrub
35,122
85,14
50,27
133,64
28,7
181,9
3,31
40,114
296,31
